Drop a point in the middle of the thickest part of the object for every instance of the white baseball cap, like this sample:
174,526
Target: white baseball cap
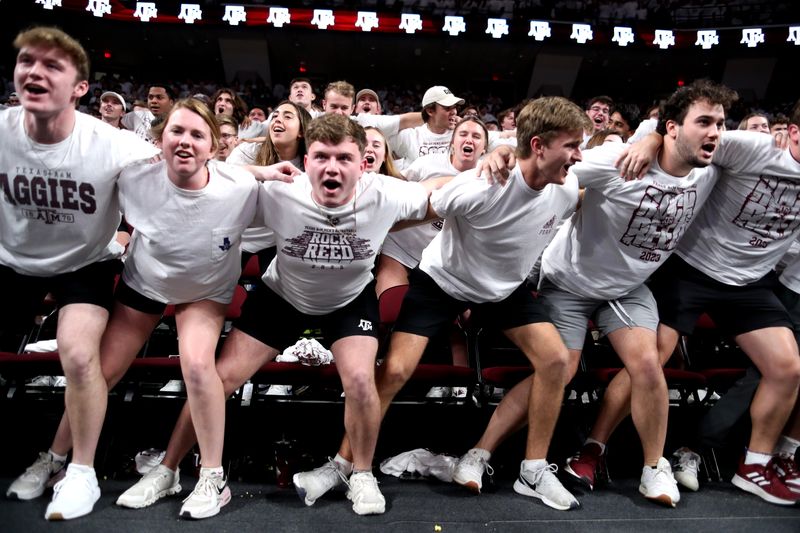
438,94
115,95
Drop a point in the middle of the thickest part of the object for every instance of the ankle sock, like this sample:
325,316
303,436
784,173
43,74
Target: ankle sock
346,466
56,457
786,446
532,465
756,458
592,441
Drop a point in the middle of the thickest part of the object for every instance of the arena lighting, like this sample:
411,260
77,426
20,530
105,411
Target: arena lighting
707,38
279,16
367,20
540,30
794,35
411,23
623,35
234,15
582,33
497,27
664,39
752,37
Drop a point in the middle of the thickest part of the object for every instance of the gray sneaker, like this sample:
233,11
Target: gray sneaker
313,485
469,470
156,484
43,473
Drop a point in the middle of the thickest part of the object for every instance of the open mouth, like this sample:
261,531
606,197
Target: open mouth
33,88
183,154
331,185
708,148
468,150
370,159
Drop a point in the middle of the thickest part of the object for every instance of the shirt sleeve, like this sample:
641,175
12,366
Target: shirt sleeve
597,167
388,124
745,152
464,195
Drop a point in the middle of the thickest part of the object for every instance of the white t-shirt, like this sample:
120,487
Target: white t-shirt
58,204
624,230
492,236
258,236
406,245
412,143
139,123
255,129
186,243
790,276
753,214
388,124
325,255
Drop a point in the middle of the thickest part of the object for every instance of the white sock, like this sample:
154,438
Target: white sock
347,466
56,457
84,469
756,458
592,441
483,454
786,446
532,465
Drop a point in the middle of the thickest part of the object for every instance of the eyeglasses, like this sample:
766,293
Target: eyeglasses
227,136
598,109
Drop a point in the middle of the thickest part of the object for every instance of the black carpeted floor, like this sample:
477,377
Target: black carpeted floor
422,506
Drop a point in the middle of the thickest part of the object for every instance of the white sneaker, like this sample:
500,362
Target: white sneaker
439,392
279,390
658,484
469,470
44,472
209,495
173,385
544,484
365,494
312,485
157,483
685,464
73,496
459,392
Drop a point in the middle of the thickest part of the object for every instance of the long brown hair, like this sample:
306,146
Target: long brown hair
268,154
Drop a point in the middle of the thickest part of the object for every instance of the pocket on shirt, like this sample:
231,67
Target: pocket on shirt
225,241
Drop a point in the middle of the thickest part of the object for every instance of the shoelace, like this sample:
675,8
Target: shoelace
473,460
333,465
539,474
42,464
70,477
787,466
206,486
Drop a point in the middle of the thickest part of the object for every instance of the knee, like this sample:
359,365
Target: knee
197,372
559,366
360,385
79,365
393,374
647,372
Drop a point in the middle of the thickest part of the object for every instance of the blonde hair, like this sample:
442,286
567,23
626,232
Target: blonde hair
340,87
198,107
52,37
546,118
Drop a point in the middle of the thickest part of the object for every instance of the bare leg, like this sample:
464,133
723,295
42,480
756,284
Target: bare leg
510,415
390,273
124,336
199,324
80,327
241,357
405,351
553,367
648,397
774,352
355,361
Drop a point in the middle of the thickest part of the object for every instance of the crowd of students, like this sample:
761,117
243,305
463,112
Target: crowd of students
472,212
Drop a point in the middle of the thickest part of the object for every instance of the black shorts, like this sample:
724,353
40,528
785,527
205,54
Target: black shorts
270,319
426,308
683,293
138,301
23,295
791,301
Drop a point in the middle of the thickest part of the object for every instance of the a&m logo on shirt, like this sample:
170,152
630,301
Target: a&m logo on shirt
548,227
328,248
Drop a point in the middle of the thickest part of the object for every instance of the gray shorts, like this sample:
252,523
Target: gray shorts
571,313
